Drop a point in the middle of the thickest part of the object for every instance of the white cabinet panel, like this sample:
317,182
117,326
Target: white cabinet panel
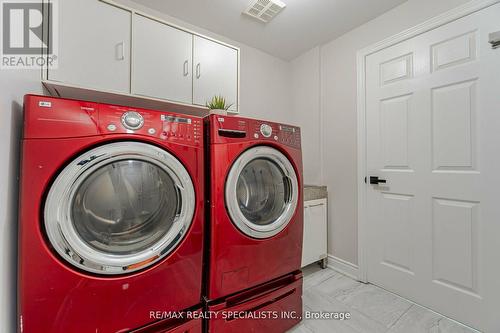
104,47
94,46
216,72
162,61
315,231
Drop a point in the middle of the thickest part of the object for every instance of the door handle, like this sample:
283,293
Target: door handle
374,180
198,71
120,51
186,69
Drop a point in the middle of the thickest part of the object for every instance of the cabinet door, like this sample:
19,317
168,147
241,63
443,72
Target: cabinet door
94,46
216,72
315,232
162,61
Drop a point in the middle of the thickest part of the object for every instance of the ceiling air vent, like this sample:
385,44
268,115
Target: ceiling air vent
264,10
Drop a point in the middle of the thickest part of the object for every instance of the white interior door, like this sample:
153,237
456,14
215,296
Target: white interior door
432,121
216,72
94,46
162,61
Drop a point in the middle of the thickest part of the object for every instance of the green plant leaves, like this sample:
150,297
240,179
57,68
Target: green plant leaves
218,103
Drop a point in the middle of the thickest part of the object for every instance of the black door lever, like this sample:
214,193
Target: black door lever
374,180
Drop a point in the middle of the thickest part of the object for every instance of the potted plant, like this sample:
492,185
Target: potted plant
218,105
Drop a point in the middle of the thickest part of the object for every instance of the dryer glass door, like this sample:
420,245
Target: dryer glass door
262,192
119,208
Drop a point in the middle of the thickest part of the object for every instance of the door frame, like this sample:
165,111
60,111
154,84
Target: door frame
431,24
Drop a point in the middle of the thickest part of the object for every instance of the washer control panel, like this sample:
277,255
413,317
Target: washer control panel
162,125
181,128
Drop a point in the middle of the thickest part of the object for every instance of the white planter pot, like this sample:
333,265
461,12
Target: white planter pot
219,112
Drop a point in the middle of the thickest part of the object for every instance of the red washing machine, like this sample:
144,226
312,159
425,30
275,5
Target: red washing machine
256,217
111,216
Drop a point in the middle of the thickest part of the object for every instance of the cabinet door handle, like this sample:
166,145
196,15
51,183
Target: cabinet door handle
186,68
120,51
317,205
198,71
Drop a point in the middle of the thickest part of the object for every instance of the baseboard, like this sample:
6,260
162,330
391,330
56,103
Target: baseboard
343,266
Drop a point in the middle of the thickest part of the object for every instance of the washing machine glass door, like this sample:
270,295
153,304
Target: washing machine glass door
119,208
262,192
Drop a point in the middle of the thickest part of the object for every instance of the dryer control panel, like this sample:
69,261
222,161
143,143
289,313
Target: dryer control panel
232,129
284,134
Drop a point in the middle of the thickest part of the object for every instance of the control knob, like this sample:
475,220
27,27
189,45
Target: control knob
266,130
132,120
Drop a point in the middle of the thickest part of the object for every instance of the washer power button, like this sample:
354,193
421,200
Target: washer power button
132,120
111,127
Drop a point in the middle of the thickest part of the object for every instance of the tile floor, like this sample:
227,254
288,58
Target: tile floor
372,309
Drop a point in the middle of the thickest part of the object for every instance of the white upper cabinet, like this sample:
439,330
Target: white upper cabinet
215,72
108,48
162,61
94,46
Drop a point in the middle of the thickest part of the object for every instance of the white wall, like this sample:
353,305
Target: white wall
264,86
338,107
306,112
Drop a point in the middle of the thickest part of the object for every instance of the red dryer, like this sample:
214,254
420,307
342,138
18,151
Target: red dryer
111,216
256,216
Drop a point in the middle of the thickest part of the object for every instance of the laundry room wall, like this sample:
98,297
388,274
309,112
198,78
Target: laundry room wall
306,111
338,114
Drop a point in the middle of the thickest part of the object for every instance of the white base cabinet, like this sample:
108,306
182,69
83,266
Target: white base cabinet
314,246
